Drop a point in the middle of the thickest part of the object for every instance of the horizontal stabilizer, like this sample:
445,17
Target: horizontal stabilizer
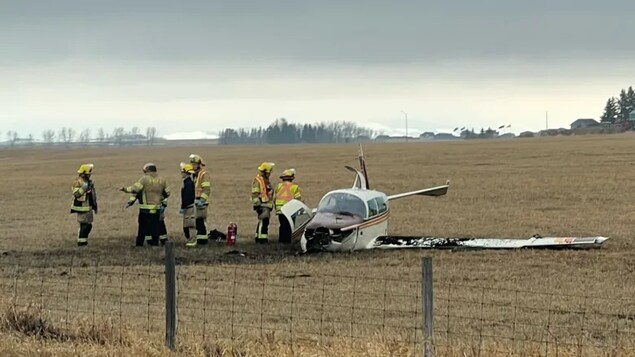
432,191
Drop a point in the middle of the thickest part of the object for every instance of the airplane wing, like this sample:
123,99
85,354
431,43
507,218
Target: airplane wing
429,242
432,191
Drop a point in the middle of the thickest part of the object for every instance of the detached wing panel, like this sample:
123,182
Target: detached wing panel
432,191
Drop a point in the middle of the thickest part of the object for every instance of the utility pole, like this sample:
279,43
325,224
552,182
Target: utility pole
406,114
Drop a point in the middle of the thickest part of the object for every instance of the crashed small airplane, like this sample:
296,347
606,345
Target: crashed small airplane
357,219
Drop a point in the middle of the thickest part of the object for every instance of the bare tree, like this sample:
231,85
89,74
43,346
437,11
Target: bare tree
84,136
48,136
30,139
12,137
101,135
63,136
151,134
71,135
117,135
134,131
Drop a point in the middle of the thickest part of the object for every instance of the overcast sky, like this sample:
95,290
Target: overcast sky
205,65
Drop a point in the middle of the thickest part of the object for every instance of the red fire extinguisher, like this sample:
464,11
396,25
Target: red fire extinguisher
232,232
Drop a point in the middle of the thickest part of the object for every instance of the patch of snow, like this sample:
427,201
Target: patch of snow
195,135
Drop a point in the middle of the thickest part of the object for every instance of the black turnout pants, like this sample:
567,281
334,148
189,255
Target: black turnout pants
163,230
84,230
148,226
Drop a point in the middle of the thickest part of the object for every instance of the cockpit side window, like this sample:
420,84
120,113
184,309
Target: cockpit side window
373,209
381,204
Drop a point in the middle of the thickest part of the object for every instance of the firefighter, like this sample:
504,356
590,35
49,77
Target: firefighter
163,230
152,192
84,202
188,211
202,188
286,191
262,200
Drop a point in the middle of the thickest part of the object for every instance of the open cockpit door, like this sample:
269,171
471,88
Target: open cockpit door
298,215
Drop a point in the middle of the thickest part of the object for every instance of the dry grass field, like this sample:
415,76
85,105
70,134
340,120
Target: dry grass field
486,302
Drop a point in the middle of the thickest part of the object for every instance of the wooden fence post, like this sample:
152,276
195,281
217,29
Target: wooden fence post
170,296
427,299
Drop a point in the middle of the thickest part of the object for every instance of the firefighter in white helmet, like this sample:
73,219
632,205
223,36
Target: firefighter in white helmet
84,202
262,200
286,191
202,188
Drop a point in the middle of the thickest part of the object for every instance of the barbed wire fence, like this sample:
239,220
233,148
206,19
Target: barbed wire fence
169,302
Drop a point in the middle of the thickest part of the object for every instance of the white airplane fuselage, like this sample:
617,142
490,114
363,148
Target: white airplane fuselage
331,230
345,220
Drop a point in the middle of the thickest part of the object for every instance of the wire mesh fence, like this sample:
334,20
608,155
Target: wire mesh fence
101,299
236,303
498,321
248,303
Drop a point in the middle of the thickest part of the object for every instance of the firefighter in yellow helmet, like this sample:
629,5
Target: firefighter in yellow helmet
84,202
202,189
152,192
286,191
188,211
262,200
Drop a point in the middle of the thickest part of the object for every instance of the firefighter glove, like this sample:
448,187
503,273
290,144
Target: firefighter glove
181,211
199,203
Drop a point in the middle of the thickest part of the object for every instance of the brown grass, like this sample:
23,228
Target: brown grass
552,186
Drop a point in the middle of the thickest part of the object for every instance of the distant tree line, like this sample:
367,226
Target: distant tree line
70,136
617,109
283,132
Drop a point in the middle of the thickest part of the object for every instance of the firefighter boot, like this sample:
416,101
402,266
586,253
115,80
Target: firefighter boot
190,237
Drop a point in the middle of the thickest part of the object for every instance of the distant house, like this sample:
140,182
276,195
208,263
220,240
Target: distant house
444,136
427,135
584,123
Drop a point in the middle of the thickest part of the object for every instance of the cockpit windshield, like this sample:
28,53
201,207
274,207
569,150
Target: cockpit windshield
343,203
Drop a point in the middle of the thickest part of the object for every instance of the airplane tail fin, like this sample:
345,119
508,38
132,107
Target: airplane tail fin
361,177
362,165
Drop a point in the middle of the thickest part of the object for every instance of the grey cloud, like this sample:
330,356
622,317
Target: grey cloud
323,32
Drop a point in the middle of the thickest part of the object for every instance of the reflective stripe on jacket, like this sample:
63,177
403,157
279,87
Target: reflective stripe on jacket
261,192
202,185
81,203
285,192
151,191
